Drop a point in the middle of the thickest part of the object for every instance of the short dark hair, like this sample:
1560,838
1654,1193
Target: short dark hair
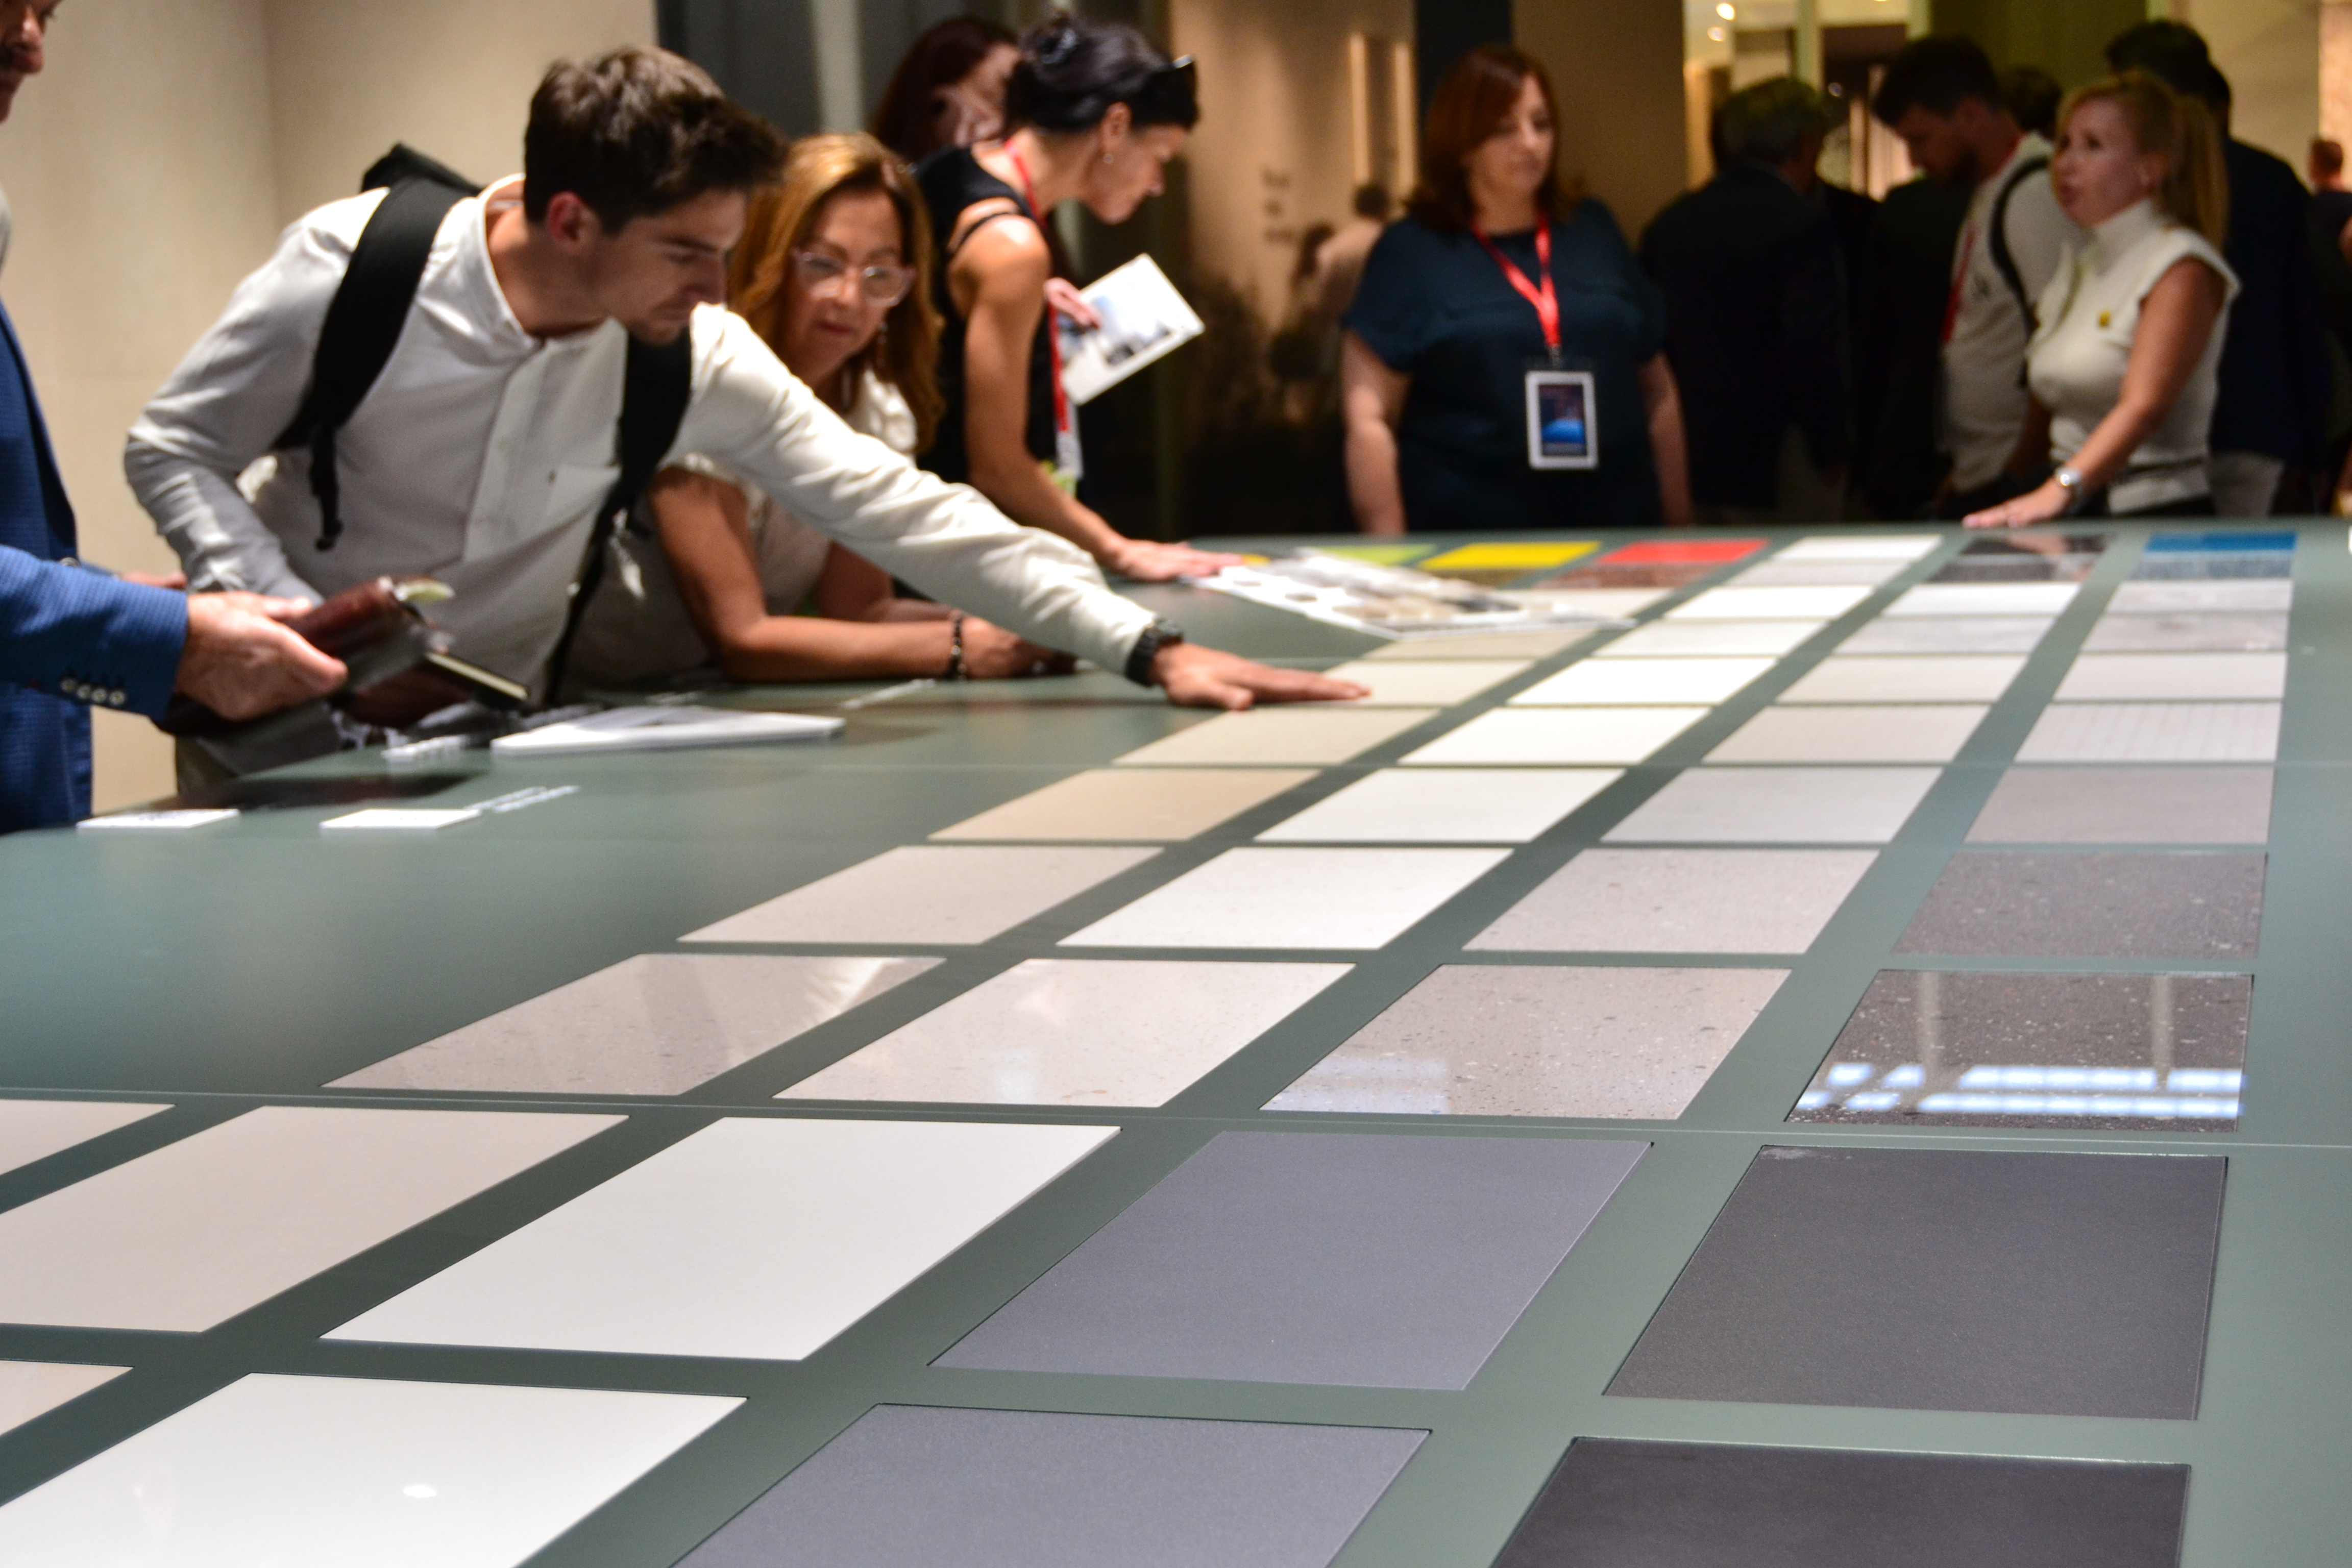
2030,95
1072,72
638,132
1938,73
1768,121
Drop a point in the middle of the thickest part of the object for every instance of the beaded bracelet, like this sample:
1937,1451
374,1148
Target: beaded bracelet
956,670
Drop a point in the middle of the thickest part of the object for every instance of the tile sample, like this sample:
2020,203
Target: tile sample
1681,900
754,1238
2096,904
2033,1283
1444,805
1301,734
1950,633
1363,1261
1512,554
1604,576
198,1231
2188,632
34,1388
656,1024
2152,1052
2223,541
1842,546
1339,898
1557,735
2154,732
2021,566
2165,598
1709,639
918,1487
1076,1031
1781,572
1602,603
927,893
1950,678
1777,805
1525,1041
1643,682
1983,599
359,1472
2240,563
2186,676
34,1130
1440,683
1657,551
1487,645
1614,1502
1813,604
1880,735
1114,805
2127,806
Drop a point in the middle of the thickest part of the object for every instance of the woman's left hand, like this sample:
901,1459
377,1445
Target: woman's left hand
1149,561
2045,503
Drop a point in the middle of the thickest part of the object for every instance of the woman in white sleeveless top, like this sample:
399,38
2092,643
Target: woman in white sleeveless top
830,271
2124,363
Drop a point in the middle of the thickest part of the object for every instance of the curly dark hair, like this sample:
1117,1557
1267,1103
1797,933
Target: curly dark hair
638,132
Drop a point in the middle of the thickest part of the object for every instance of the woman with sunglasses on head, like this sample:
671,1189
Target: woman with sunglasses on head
830,271
1097,112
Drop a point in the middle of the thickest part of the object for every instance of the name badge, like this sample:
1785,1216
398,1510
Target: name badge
1560,428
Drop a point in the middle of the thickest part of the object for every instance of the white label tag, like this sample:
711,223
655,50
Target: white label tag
1561,426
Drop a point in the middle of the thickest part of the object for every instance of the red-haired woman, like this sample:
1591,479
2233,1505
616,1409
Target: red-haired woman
1504,365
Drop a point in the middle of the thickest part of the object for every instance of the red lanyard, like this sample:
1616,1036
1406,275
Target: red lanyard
1546,302
1959,281
1053,333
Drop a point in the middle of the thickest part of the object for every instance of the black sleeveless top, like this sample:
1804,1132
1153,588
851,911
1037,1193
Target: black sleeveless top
952,180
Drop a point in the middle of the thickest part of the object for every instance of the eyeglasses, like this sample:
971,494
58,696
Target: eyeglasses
821,274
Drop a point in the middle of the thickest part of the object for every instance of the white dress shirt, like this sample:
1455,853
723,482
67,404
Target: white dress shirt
481,453
1984,399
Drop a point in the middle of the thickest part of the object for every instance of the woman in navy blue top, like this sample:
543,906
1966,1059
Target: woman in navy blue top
1498,276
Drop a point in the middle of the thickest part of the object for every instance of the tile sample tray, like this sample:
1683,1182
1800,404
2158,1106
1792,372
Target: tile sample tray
2092,904
1293,897
1643,682
1950,678
1121,806
1681,900
1709,639
1364,1260
1878,734
34,1130
1777,805
2035,1284
1444,805
947,894
1950,633
1300,735
1558,736
2154,732
2136,805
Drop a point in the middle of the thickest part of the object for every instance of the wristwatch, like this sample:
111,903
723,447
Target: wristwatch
2070,480
1157,635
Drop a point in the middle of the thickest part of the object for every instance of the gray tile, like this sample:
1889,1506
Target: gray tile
2127,806
1777,805
2189,632
2154,732
917,1487
1525,1041
1883,733
1983,599
1946,1279
1681,900
1922,678
1618,1503
2100,904
1367,1261
1444,805
2181,677
947,894
656,1024
2162,1052
2159,598
1950,633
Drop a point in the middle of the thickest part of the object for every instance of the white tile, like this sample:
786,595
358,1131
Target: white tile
1950,678
1440,683
658,1024
1950,633
199,1230
1780,571
761,1239
1486,644
1777,805
1123,806
1681,900
1800,603
1709,639
1861,547
1336,899
31,1388
1984,599
355,1472
1281,733
1643,682
1568,736
2166,598
2188,677
34,1130
2154,732
2188,631
1879,734
1601,603
945,894
1444,805
1076,1031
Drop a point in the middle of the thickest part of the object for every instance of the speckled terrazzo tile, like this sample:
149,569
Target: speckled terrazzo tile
1883,733
2127,806
928,893
2093,904
1293,897
1130,806
2179,677
1681,900
2154,732
1777,805
2188,632
1951,677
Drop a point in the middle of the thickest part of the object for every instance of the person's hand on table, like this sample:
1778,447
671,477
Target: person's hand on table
241,663
1149,561
992,653
2045,503
1196,677
1063,296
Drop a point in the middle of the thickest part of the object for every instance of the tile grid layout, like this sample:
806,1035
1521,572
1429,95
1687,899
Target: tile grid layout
1326,927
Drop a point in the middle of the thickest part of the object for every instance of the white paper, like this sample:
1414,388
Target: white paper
154,821
396,819
663,729
1144,319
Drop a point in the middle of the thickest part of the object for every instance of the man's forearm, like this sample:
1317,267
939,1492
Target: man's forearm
221,543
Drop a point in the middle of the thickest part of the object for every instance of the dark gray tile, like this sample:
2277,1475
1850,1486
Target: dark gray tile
1370,1261
2220,564
911,1486
2095,905
2025,558
1615,1504
2127,806
1945,1279
2164,1052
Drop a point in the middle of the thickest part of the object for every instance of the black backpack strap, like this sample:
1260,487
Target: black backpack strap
1997,242
656,389
362,326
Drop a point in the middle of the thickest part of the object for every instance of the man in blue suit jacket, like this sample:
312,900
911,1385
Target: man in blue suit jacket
70,637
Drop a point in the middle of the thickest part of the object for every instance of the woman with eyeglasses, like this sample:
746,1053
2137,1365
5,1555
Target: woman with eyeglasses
1097,112
830,271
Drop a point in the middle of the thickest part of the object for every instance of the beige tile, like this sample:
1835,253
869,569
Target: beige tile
1281,733
1955,677
1881,734
2154,732
1787,604
1643,682
1566,736
1444,805
34,1130
941,893
1681,900
1778,806
1294,898
1143,805
1440,683
31,1388
1709,639
1486,644
2184,677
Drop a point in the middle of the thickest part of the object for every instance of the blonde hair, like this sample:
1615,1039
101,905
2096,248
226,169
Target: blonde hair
905,352
2179,130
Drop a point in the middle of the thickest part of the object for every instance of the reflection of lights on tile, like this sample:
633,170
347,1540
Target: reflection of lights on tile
1876,1099
2167,1107
2058,1078
419,1490
1812,1100
1846,1075
1911,1075
2205,1080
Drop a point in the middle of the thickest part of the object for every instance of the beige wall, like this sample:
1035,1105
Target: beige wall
2270,51
1617,66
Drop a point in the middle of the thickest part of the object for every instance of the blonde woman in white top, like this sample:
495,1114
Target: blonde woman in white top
2123,365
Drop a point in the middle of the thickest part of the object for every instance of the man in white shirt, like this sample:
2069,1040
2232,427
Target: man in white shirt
1941,96
484,448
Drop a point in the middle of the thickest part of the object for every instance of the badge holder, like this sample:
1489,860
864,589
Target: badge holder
1561,425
